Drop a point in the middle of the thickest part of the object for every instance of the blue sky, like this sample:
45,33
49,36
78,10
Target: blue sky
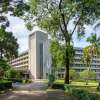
17,26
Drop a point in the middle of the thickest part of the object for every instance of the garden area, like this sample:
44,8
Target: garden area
78,90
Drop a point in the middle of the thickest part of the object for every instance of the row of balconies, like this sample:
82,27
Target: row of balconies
22,65
25,68
20,58
20,62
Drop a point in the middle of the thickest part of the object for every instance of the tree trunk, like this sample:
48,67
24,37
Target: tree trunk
67,67
1,54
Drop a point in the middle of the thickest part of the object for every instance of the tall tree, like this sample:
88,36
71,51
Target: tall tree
57,51
86,58
92,50
94,46
56,15
15,7
8,45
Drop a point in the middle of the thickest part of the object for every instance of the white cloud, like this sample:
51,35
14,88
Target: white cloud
17,26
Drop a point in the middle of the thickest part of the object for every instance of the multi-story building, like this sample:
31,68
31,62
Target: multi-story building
21,62
36,61
79,66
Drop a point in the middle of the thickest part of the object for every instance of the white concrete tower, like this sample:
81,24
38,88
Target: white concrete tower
39,56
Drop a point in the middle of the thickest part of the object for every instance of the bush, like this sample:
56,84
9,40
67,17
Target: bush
94,96
51,79
58,86
5,85
68,88
80,94
26,81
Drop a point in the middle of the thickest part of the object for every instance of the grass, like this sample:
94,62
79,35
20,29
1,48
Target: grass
91,87
79,83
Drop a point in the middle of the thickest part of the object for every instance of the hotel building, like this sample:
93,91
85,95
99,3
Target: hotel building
36,61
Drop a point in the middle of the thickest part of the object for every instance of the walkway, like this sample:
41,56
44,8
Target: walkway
36,85
34,91
23,96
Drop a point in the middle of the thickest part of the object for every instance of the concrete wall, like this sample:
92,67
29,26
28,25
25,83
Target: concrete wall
32,55
35,68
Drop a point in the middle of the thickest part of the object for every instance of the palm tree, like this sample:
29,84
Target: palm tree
94,44
90,51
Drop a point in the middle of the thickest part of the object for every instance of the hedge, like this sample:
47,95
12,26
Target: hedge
5,85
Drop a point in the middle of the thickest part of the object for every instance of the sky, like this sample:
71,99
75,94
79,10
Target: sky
17,26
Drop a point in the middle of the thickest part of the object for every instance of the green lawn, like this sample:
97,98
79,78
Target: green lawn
79,83
92,85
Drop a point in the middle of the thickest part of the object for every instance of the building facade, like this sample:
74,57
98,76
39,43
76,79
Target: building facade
79,66
36,61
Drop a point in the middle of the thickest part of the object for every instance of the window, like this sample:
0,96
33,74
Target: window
41,60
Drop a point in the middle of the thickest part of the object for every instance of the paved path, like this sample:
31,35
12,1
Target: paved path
34,91
23,96
36,85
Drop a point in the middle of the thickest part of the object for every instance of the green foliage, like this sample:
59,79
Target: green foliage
94,41
80,94
86,74
3,67
57,50
17,8
55,16
58,86
26,81
68,88
73,74
94,96
8,45
11,74
51,80
5,84
86,58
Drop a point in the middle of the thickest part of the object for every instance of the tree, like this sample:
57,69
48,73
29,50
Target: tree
87,74
94,47
8,45
57,51
73,74
92,50
86,58
11,73
56,15
3,67
15,7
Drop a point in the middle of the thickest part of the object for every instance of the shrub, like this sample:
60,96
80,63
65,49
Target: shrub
68,88
13,75
58,86
26,81
5,85
94,96
80,94
51,79
73,74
